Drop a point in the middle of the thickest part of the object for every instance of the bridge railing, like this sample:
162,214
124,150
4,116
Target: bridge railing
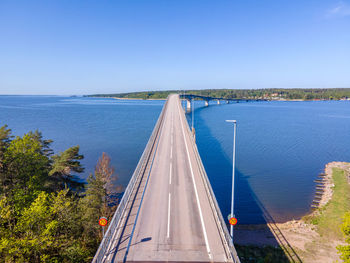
101,252
227,239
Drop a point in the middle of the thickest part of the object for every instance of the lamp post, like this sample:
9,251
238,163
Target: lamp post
184,100
192,114
233,172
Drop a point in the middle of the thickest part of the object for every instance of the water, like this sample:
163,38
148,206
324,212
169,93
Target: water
120,128
281,146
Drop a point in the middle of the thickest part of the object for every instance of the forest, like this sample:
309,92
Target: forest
46,213
273,94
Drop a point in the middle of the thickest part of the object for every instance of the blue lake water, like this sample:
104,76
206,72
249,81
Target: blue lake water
281,146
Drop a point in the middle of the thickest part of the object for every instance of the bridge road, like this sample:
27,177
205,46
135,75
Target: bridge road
176,222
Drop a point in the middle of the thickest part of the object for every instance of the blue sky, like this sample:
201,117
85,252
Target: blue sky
84,47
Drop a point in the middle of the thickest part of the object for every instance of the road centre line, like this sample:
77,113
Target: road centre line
195,189
168,231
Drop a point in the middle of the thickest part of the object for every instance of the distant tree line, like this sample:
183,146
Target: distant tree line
288,94
46,213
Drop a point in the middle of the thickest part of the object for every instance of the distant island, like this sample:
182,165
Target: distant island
269,94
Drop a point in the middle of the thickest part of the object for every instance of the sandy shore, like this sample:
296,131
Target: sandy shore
296,236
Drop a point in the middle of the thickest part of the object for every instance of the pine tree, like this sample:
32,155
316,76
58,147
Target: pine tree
64,164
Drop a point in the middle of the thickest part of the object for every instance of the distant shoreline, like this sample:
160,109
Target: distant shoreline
128,98
242,94
292,100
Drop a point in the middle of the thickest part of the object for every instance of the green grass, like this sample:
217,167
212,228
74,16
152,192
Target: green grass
331,216
256,254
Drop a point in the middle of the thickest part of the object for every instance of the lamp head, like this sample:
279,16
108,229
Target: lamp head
234,121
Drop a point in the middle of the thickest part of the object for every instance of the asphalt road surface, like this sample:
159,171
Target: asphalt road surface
176,222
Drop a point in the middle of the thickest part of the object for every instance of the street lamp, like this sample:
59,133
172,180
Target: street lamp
184,101
233,172
192,115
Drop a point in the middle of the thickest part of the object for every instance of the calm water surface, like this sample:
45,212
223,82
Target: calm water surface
281,146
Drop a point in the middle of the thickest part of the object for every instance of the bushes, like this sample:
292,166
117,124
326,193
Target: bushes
344,251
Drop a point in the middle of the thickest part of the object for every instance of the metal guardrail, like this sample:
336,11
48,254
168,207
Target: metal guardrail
127,194
214,204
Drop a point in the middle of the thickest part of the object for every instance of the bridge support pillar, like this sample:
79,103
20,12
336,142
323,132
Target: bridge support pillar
188,105
227,102
218,101
206,103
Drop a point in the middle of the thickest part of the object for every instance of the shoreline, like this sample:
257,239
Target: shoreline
325,198
132,98
297,236
116,98
286,100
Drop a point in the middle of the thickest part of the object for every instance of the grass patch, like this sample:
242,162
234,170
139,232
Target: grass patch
330,218
256,254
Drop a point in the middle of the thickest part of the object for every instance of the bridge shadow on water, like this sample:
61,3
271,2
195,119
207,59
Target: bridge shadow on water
254,220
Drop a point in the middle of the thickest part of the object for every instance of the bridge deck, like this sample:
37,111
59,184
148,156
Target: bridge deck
176,222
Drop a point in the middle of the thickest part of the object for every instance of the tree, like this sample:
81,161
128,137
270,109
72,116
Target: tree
45,144
6,219
42,217
24,172
5,139
96,202
105,172
63,165
49,230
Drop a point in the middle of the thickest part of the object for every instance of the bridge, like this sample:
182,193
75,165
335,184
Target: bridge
168,212
206,99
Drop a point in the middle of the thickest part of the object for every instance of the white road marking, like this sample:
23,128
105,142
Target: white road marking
168,232
170,170
172,136
195,190
172,124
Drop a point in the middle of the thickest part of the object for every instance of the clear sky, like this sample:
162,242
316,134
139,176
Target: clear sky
85,47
